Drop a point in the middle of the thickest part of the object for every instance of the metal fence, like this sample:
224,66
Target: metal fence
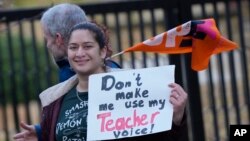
218,96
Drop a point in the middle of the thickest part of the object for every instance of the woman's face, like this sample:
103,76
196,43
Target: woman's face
84,53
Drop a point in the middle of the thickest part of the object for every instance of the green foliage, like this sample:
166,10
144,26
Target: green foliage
26,69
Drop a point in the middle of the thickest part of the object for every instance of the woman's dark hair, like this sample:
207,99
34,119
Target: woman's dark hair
100,34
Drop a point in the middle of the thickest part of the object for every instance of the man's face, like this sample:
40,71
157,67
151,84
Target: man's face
50,41
56,49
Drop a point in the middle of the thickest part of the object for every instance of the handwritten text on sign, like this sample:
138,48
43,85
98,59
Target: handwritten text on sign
129,103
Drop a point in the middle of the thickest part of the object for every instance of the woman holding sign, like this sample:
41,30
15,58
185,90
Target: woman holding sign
65,105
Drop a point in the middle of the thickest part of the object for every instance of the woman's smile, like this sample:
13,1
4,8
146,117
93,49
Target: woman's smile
81,62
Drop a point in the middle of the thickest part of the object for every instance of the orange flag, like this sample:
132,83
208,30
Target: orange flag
199,37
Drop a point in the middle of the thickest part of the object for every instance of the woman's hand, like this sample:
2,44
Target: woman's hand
178,98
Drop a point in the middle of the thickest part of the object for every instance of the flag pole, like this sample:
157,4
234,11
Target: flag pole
117,54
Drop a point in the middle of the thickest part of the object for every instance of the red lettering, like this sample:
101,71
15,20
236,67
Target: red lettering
153,117
103,117
138,120
120,124
123,123
109,123
127,125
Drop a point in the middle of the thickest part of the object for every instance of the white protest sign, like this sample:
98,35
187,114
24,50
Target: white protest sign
129,103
